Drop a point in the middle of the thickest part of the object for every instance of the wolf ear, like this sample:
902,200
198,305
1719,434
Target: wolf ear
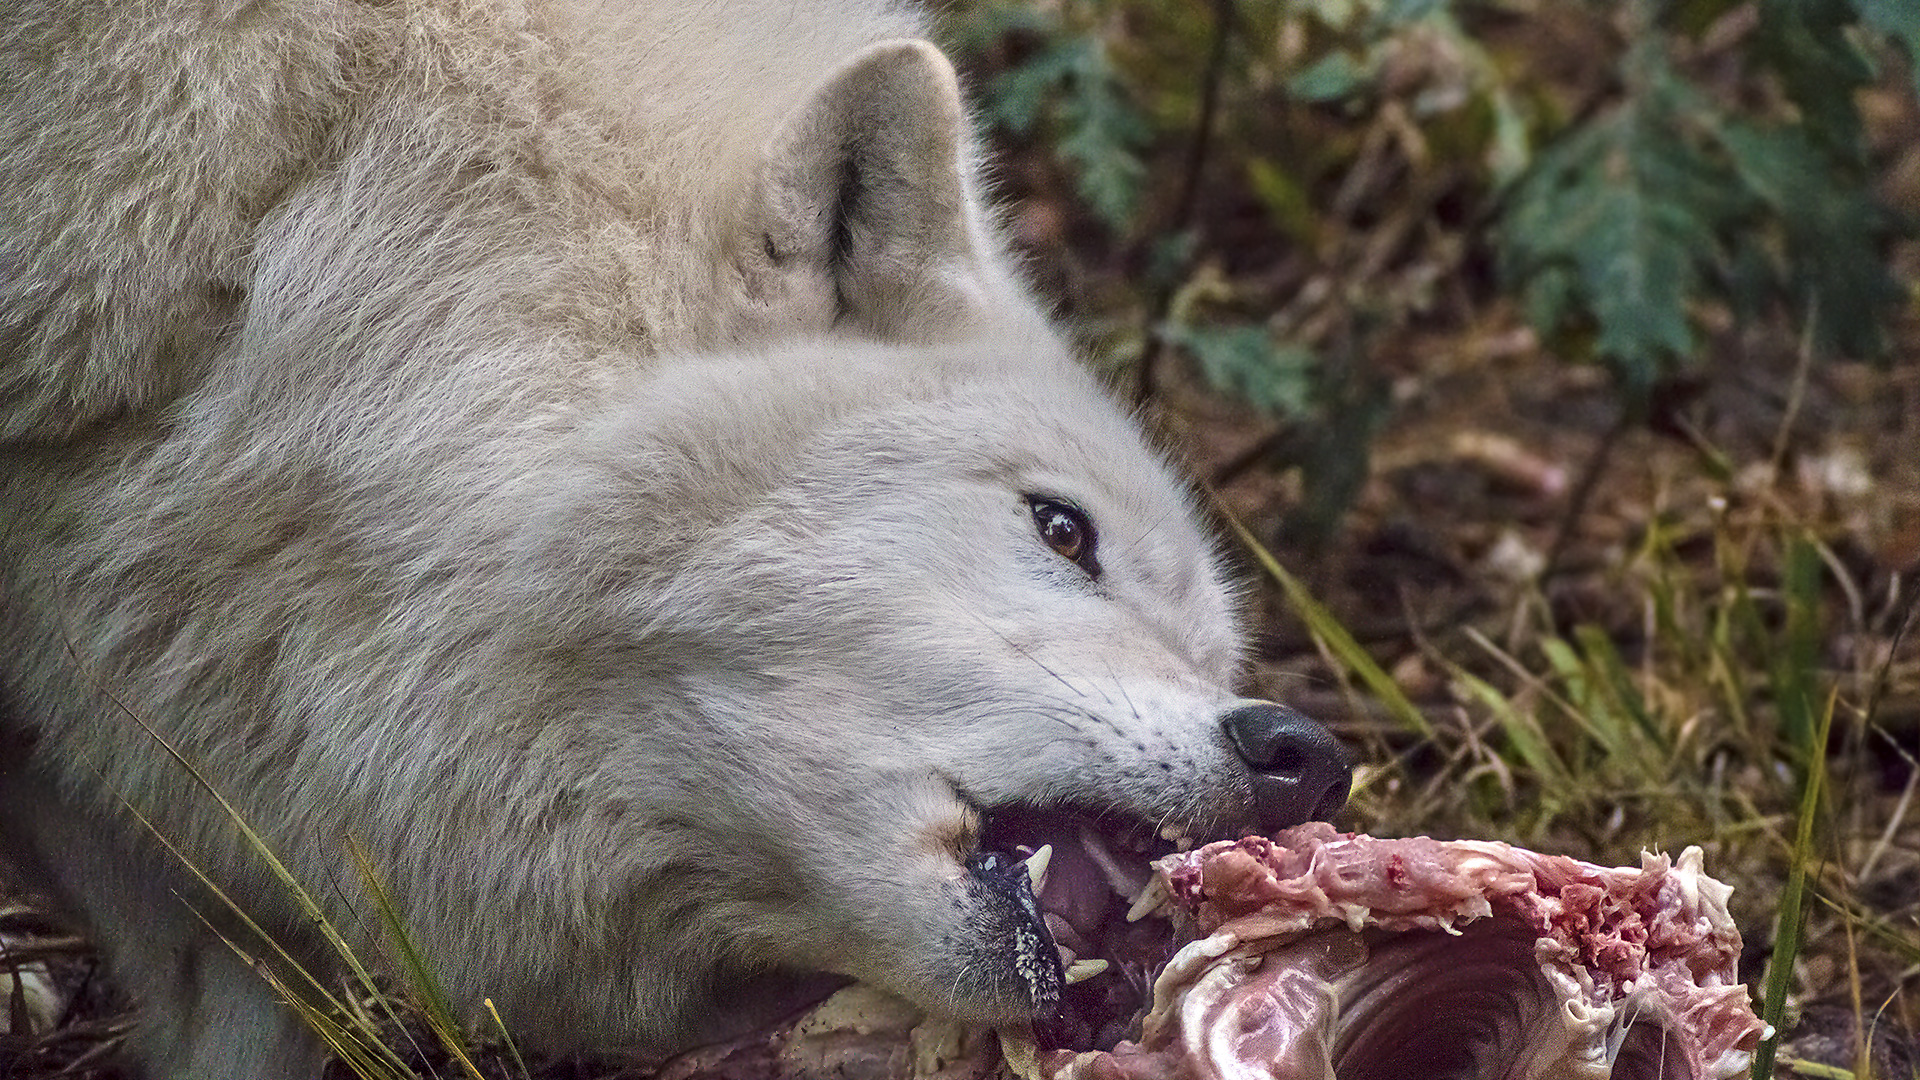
867,183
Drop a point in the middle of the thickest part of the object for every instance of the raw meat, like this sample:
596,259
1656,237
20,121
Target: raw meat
1318,954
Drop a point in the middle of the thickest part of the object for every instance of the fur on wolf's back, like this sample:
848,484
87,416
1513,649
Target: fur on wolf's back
581,452
145,146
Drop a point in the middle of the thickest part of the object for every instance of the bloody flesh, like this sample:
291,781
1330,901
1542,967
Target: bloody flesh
1318,954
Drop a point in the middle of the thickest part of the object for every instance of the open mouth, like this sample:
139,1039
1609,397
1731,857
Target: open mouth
1311,954
1091,877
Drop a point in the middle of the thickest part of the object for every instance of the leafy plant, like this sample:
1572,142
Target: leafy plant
1396,147
1069,91
1667,200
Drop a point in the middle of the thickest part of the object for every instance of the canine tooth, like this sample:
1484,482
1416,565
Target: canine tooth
1082,970
1152,895
1037,867
1068,957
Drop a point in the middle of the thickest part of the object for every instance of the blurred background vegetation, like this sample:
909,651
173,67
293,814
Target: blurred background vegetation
1558,362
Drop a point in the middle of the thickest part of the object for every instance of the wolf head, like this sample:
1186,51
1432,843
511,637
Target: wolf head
686,577
929,606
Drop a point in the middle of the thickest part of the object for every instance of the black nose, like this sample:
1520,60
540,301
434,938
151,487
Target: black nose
1300,771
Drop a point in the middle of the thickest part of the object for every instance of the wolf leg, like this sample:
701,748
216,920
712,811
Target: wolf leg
204,1013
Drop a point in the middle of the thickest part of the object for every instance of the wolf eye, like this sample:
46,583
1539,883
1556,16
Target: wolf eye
1066,530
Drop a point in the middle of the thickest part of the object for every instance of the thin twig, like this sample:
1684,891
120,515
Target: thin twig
1583,490
1281,444
1796,394
1184,209
1224,21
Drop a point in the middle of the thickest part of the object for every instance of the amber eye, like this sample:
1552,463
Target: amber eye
1066,530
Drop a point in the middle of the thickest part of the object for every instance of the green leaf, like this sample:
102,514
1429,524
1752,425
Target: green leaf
1511,147
1603,224
982,27
1666,201
1335,452
1018,98
1551,297
1637,256
1400,12
1244,360
1287,201
1899,19
1809,44
1333,77
1074,84
1832,232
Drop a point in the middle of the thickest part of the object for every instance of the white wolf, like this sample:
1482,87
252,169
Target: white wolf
597,456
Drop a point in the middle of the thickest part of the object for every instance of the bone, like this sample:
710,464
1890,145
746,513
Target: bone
1308,947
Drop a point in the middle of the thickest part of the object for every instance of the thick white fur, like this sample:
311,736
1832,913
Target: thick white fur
581,451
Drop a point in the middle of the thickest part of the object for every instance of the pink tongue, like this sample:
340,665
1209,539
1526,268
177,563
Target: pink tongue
1076,890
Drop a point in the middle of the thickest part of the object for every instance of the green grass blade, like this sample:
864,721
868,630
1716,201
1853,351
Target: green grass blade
359,1050
1617,682
1815,1069
1582,700
1522,731
363,1051
506,1037
309,907
349,1044
1321,623
1791,922
1796,656
426,987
